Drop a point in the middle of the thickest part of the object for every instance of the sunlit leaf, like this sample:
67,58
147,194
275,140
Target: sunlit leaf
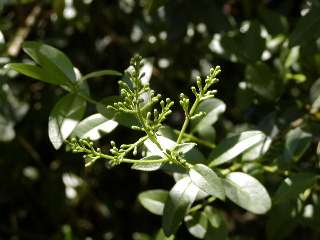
64,117
247,192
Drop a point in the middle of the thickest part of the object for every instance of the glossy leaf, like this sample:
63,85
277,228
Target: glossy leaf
148,166
153,200
94,126
52,60
165,143
100,73
29,70
180,198
184,147
292,186
212,109
64,117
207,180
233,146
247,192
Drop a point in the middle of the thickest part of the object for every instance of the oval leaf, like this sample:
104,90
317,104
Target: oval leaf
153,200
64,117
180,198
207,180
247,192
148,166
93,126
213,108
296,143
233,146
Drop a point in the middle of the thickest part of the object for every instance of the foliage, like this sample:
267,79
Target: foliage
259,138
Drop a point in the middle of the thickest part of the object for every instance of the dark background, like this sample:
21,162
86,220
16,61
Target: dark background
105,35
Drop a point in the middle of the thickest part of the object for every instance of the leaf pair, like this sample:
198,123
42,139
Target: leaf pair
54,67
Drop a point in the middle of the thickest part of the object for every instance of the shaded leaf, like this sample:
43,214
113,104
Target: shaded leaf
296,143
307,28
273,21
180,198
247,192
217,226
292,186
263,81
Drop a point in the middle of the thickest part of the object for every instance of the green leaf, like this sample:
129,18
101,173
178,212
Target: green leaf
258,150
274,22
247,192
140,236
197,224
184,147
58,68
263,80
213,108
29,70
64,117
165,143
100,74
153,200
207,180
180,198
281,221
94,126
233,146
217,227
148,166
153,5
296,143
244,47
292,186
307,28
161,236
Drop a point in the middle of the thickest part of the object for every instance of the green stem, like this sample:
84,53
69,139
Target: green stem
136,144
196,139
187,119
129,160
